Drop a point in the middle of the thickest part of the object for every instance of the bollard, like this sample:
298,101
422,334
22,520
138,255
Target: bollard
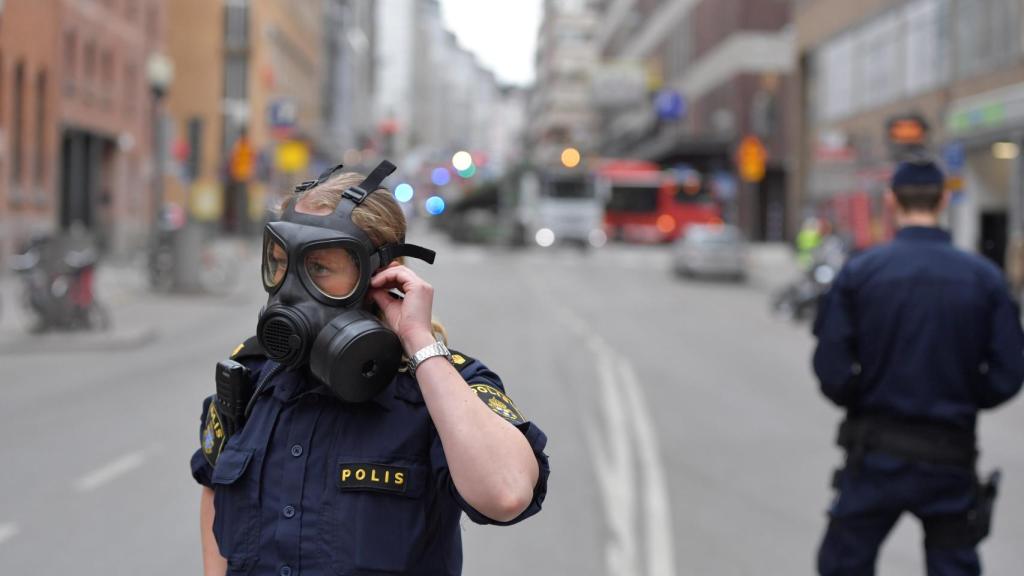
188,244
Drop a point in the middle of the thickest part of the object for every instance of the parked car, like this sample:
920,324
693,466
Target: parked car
717,250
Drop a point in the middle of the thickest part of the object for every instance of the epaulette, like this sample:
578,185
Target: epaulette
249,349
460,360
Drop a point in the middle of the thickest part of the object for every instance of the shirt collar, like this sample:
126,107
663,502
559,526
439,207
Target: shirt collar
924,234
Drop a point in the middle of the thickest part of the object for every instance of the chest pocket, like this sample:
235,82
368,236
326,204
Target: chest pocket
236,505
375,514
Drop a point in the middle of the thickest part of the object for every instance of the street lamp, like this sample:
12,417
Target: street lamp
159,75
164,258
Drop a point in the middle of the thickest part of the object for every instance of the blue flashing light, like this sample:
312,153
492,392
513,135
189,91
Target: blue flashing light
435,205
440,176
404,192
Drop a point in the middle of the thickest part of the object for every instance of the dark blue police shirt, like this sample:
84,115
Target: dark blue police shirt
313,485
919,329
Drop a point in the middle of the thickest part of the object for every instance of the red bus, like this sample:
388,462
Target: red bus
645,203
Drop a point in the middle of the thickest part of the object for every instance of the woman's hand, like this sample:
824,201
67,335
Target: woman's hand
410,317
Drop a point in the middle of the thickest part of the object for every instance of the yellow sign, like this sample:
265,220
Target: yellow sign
205,201
292,156
243,160
750,159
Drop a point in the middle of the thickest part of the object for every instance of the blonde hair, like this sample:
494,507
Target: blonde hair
379,216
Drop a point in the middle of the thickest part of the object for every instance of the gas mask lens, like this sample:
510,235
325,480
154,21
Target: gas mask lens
333,270
275,262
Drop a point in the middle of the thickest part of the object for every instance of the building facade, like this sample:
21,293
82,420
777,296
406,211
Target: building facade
561,111
74,114
267,93
683,81
955,65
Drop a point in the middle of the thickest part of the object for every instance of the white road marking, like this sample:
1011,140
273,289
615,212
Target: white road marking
8,531
110,472
629,445
661,560
613,459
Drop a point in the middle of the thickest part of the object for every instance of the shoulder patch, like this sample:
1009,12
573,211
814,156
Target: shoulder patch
249,349
498,402
213,435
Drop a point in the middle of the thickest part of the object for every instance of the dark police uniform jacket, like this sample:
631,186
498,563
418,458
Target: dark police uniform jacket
313,485
919,330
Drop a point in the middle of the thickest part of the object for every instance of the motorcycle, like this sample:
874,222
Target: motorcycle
57,286
799,300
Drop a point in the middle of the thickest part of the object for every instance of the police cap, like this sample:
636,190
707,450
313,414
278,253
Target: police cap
917,172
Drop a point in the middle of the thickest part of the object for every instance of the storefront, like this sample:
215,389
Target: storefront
984,135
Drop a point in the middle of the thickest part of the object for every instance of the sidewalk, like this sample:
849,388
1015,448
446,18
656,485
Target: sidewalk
117,287
122,286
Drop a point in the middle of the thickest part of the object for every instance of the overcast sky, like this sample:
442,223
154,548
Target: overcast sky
502,34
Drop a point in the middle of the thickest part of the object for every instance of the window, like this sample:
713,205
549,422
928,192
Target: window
17,137
70,54
128,87
835,68
131,10
633,199
3,84
152,21
40,133
236,77
569,190
987,34
926,50
107,73
89,69
236,24
194,129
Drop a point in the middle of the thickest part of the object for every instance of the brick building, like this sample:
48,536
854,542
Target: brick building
74,115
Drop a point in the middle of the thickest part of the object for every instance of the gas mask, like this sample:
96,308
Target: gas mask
317,271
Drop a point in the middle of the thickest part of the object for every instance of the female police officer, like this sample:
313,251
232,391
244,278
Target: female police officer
343,462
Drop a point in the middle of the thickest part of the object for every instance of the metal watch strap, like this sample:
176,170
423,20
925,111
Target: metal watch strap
429,351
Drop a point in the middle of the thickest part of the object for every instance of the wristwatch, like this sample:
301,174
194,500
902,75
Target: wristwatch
429,351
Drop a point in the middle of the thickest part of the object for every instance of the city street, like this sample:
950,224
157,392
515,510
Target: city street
686,432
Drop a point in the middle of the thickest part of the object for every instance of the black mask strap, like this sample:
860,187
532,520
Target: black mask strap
389,252
359,193
299,189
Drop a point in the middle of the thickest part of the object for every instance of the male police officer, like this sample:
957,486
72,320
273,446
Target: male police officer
914,338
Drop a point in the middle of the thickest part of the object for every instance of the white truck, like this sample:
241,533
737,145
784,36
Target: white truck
559,207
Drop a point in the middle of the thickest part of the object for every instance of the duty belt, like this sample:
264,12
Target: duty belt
918,441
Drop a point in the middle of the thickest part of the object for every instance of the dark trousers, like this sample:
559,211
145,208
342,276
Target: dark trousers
871,499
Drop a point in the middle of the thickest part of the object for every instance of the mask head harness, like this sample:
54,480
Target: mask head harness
317,271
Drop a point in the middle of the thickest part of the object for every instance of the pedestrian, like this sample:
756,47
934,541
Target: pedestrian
807,241
914,338
333,455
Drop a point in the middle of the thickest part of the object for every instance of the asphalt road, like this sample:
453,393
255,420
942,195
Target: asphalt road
686,432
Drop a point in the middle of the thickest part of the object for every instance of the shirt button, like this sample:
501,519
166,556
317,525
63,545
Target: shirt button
296,450
286,571
288,511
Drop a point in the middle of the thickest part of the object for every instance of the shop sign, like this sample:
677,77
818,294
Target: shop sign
955,156
669,105
292,156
